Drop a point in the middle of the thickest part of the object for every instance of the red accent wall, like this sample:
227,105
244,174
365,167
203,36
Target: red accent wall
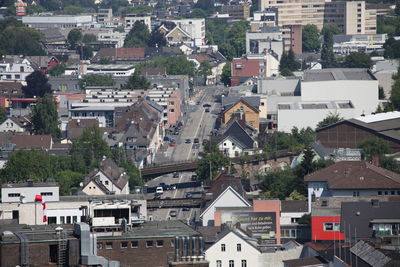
317,229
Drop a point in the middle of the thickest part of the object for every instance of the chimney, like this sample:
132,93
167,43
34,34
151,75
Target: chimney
375,161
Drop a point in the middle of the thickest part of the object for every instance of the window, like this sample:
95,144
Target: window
392,192
62,220
172,243
74,219
244,263
331,226
106,182
160,243
239,247
149,243
51,220
379,192
171,110
99,245
14,195
294,220
134,244
356,193
68,219
222,247
109,245
231,263
46,193
124,244
219,263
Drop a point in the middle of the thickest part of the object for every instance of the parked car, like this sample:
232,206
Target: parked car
157,196
172,213
159,190
166,138
196,140
188,195
194,177
185,208
172,144
206,105
176,132
188,141
207,110
175,175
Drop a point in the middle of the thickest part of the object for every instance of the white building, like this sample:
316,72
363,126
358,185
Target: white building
14,124
58,21
130,20
110,69
366,43
112,36
196,28
26,192
17,70
228,198
267,39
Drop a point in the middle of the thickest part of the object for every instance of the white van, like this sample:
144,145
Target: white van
159,190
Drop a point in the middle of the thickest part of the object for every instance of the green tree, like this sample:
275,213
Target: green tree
138,36
205,70
175,65
37,85
85,51
3,115
120,158
357,60
288,61
226,74
34,9
197,13
119,29
228,51
137,81
381,93
68,180
206,5
278,184
88,150
332,118
327,55
20,40
305,219
73,10
89,38
45,117
397,8
373,147
286,72
395,93
139,9
157,39
296,196
390,163
213,161
310,36
96,80
104,61
58,70
74,37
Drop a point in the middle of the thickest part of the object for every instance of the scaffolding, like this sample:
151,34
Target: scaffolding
62,248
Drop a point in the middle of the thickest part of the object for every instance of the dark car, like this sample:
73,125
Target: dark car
175,175
188,141
207,110
206,106
205,142
196,140
188,195
186,209
194,177
157,196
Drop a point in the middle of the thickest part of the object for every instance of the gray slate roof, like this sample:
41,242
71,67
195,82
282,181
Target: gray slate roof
369,254
237,132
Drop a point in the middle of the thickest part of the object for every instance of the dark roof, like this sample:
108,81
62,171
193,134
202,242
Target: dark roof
355,175
21,121
32,141
209,233
75,127
294,206
229,101
153,71
13,89
223,181
305,262
110,169
239,134
369,254
358,215
337,74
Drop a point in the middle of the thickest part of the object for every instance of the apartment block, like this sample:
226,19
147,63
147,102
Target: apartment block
239,11
292,38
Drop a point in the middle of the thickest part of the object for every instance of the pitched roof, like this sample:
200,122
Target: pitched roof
153,71
75,127
294,206
21,121
310,261
32,141
114,173
121,53
355,175
13,89
369,254
244,101
177,28
237,132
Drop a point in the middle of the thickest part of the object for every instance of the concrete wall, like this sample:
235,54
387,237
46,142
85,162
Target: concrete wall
29,193
363,94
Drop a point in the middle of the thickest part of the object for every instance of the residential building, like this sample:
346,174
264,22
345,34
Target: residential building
349,133
130,19
297,13
236,141
76,127
266,18
116,38
228,198
292,38
217,62
257,101
106,180
237,11
351,178
105,16
109,69
15,124
244,68
195,28
26,192
15,68
120,55
57,21
8,90
267,39
41,142
245,111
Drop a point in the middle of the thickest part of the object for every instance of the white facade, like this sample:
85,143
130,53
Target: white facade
196,28
114,37
61,21
106,182
288,218
24,194
112,69
130,20
233,248
303,115
258,42
228,198
17,71
362,93
10,126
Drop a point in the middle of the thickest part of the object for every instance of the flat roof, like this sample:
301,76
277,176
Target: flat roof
379,117
26,184
337,74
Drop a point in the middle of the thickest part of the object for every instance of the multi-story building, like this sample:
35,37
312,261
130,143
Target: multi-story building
57,21
237,11
268,17
267,39
14,68
292,38
195,28
105,17
130,19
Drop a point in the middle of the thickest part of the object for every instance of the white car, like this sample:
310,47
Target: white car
159,190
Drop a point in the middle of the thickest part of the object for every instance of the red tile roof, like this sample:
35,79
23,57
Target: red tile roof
32,141
121,53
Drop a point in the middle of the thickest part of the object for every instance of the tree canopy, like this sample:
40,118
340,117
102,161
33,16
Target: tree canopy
288,62
137,81
357,60
3,115
332,118
58,70
74,37
45,117
310,36
37,85
226,74
373,147
138,36
213,161
205,69
96,80
327,56
175,65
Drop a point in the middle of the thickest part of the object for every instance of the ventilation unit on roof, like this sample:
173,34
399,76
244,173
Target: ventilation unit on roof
324,203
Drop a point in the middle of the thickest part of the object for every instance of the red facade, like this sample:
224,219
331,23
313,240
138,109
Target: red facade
319,232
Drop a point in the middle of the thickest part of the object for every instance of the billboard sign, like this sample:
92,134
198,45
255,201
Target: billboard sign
261,224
